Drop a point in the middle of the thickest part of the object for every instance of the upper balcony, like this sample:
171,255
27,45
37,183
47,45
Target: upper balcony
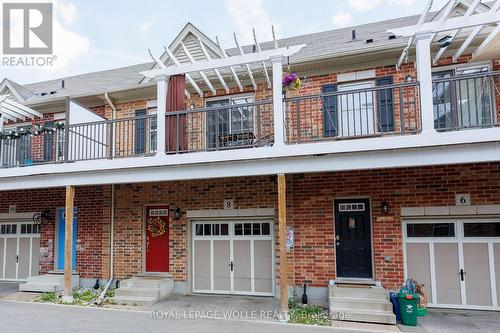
346,112
367,117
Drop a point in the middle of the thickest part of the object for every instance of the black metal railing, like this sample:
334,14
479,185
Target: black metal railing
466,101
220,127
374,111
105,139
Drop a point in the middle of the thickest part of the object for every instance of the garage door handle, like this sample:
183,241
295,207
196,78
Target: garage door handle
231,266
462,275
17,258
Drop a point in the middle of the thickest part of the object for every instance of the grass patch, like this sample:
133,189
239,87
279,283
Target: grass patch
307,314
50,297
81,296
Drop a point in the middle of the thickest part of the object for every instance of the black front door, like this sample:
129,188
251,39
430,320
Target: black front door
353,238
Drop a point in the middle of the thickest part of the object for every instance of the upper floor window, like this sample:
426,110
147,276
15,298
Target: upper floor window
230,126
462,98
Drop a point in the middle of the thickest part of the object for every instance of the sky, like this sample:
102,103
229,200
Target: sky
93,35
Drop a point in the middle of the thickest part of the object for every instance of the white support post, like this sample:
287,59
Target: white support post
1,130
279,113
424,74
161,112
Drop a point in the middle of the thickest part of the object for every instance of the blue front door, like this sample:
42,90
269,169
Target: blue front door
60,239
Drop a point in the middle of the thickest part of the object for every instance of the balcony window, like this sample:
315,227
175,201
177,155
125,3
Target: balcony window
230,126
462,102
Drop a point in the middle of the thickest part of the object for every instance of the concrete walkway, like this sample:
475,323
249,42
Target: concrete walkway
8,288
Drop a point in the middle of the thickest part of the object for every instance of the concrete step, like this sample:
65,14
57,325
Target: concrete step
40,287
365,316
361,304
141,292
48,283
361,293
135,300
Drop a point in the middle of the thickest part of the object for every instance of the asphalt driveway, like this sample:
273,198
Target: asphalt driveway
458,321
7,288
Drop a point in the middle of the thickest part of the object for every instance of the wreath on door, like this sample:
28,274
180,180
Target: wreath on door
156,227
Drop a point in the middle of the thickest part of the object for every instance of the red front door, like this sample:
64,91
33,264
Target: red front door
157,236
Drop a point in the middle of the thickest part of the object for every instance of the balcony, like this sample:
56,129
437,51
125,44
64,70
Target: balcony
460,102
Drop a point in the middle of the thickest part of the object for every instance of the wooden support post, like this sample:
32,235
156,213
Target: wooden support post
68,243
282,241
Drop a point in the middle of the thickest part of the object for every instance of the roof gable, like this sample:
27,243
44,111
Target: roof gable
12,88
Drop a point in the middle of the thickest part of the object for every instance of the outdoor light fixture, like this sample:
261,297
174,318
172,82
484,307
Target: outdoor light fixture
408,78
177,213
445,41
385,207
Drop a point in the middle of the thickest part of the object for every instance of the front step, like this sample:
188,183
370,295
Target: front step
361,304
48,283
143,290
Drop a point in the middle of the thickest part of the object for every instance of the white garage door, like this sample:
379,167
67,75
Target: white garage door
458,261
19,250
233,257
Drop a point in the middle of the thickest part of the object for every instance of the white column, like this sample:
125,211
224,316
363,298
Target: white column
424,74
161,100
279,114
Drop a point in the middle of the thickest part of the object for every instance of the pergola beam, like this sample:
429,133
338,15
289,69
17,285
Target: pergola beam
231,68
455,33
263,63
30,112
217,72
250,75
11,112
486,41
450,24
202,74
404,54
473,34
178,64
162,65
247,58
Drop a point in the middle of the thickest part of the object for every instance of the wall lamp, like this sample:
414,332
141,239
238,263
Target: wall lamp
177,213
384,207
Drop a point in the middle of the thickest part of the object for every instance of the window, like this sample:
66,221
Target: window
212,229
140,133
352,207
230,126
430,230
8,229
356,110
30,228
153,132
254,228
462,103
490,229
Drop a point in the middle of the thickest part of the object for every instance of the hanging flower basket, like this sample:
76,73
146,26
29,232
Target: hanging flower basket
291,82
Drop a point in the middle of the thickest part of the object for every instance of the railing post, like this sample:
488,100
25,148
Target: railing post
424,74
2,141
279,114
161,113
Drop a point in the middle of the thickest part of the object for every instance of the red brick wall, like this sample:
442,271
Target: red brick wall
310,212
93,219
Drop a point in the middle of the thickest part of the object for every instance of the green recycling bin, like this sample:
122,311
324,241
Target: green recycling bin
408,305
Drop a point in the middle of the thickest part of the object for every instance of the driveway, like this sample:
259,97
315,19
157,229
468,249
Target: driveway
458,321
7,288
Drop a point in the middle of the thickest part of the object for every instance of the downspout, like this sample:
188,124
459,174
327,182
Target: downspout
112,248
112,214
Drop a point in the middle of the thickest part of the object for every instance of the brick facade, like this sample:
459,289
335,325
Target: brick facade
310,212
93,204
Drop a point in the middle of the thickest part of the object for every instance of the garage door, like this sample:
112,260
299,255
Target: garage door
457,260
19,250
233,257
